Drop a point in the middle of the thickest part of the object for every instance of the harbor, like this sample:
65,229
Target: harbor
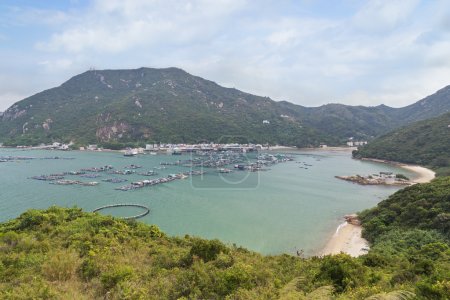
284,199
222,162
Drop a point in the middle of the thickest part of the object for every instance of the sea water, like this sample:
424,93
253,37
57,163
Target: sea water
293,206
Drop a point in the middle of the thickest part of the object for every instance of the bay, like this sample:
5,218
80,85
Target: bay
294,205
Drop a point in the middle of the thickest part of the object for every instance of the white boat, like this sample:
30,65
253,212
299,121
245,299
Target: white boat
130,152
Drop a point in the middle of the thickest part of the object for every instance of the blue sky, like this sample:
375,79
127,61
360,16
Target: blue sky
307,52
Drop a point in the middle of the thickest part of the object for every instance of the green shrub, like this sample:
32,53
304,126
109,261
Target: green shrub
60,266
342,271
207,250
88,269
10,238
117,274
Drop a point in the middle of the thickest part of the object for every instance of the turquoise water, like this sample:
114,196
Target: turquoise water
278,211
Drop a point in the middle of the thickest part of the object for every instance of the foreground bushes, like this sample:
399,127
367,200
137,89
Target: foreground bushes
67,254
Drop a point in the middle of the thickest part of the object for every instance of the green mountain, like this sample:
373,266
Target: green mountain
425,143
115,107
68,254
167,105
427,108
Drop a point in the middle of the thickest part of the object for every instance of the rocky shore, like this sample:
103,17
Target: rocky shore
371,180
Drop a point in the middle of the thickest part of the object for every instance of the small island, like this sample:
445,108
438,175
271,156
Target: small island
383,178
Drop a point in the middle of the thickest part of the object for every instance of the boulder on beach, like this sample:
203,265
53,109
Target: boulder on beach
352,219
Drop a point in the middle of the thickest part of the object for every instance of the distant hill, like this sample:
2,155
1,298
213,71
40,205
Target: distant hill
427,108
116,107
159,105
425,142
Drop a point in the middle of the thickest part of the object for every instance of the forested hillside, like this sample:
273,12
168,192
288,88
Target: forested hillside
151,105
119,107
425,143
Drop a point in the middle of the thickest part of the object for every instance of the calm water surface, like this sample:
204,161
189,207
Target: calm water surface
278,211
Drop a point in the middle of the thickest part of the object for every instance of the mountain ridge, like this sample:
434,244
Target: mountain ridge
171,105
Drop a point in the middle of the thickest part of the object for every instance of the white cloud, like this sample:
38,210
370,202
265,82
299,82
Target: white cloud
8,98
57,64
380,15
26,16
383,51
116,26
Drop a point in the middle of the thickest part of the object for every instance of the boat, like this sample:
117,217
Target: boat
148,173
133,166
176,151
114,180
130,152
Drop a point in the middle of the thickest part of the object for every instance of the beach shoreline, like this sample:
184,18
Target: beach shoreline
347,237
340,149
423,175
280,147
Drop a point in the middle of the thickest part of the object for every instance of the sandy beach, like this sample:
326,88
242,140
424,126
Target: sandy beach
347,237
424,175
278,147
343,148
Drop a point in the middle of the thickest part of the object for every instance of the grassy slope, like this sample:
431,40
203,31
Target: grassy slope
67,254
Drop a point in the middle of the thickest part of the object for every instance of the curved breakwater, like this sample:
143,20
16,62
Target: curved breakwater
143,214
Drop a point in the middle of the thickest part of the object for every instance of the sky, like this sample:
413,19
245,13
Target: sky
391,52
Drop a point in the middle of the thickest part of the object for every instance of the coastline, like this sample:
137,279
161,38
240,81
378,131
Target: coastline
423,175
279,147
347,237
343,149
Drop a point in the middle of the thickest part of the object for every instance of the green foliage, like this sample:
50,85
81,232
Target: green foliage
121,108
424,143
401,176
341,271
117,274
89,269
410,236
117,108
395,295
207,250
60,266
67,254
424,206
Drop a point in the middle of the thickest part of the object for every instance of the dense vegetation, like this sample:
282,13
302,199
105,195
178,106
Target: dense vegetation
425,143
68,254
119,107
115,108
424,206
